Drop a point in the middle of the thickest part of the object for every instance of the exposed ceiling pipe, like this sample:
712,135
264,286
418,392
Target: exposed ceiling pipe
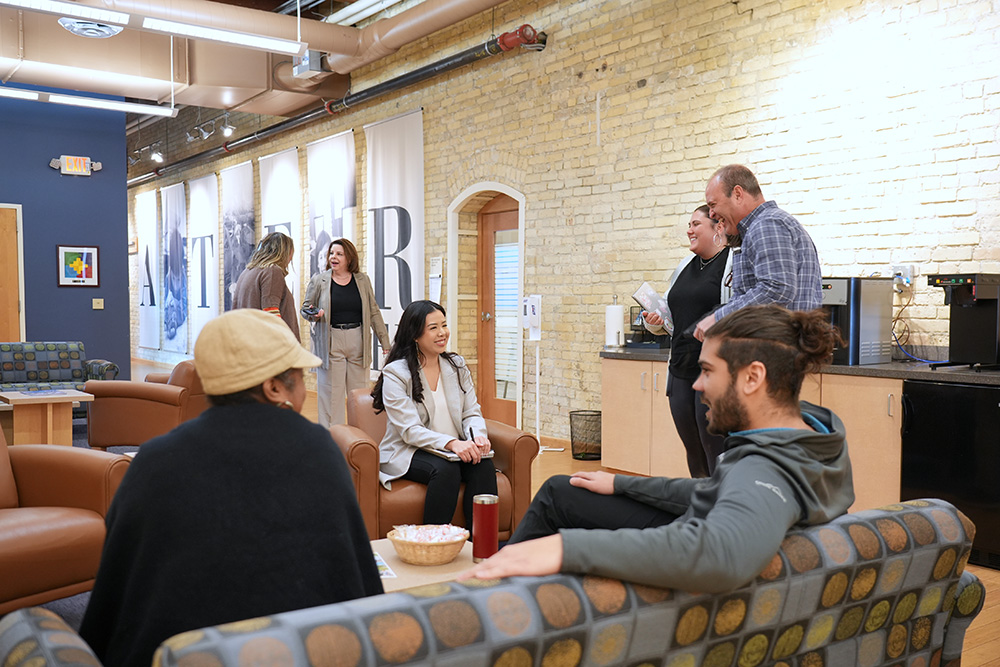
319,35
524,36
386,36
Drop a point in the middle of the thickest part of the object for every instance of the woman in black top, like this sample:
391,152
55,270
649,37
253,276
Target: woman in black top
340,303
698,286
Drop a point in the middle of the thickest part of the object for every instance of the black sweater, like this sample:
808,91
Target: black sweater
244,511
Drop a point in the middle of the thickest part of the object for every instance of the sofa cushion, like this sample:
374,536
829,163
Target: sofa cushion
44,548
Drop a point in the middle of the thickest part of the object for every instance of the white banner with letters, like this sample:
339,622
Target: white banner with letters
238,234
332,195
395,243
175,293
281,206
149,270
203,253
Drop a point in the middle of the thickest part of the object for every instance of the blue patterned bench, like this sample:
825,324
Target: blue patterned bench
50,365
880,587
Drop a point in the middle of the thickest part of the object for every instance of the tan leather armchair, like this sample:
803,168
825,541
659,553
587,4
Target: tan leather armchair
128,413
382,509
53,500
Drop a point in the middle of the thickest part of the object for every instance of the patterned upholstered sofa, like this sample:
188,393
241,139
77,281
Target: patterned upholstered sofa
50,365
880,587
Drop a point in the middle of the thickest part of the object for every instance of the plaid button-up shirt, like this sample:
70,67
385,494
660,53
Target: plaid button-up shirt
777,263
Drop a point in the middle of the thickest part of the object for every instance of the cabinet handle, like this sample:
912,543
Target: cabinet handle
888,406
656,382
642,381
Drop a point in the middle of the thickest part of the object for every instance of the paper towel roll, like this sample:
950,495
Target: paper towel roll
614,326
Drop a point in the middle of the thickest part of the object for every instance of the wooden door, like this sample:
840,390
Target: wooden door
498,335
10,287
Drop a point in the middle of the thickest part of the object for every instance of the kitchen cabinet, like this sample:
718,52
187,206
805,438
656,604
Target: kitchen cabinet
637,431
870,410
638,434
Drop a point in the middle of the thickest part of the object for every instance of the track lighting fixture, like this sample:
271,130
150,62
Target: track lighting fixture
155,154
207,129
191,136
227,129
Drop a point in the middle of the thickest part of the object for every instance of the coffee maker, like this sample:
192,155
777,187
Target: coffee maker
862,309
974,325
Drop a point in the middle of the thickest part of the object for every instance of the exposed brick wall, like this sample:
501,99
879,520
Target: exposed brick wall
875,123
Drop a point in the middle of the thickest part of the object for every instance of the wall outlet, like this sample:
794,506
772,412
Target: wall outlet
98,304
903,273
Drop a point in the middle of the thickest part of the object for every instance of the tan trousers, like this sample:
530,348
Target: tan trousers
346,372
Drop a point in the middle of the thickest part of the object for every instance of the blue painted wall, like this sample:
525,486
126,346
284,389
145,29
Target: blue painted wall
69,210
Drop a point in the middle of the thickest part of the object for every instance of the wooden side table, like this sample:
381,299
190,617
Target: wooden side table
408,576
44,417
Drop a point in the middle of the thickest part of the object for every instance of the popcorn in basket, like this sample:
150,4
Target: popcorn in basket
428,544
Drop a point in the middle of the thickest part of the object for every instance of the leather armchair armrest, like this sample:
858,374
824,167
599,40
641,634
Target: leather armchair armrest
157,377
362,457
515,451
143,391
60,476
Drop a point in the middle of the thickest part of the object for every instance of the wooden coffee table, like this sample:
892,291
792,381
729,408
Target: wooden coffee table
44,417
408,576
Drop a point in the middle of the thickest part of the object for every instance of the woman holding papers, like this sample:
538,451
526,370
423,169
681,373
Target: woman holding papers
432,415
698,286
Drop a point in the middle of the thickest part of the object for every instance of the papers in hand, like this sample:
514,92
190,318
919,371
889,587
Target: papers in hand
653,302
452,456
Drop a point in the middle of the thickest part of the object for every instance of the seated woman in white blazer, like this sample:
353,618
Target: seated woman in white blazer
430,404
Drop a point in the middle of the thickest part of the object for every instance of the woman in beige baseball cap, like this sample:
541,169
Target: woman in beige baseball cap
245,511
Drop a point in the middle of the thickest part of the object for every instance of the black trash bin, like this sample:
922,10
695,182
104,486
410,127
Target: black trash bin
585,434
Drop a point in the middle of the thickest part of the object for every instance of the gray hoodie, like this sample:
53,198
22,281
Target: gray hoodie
732,523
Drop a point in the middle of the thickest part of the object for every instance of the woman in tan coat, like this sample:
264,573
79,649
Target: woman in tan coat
340,303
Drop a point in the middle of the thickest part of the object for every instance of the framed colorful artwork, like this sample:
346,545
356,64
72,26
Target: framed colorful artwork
78,266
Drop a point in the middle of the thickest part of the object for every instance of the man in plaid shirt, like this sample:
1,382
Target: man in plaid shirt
776,261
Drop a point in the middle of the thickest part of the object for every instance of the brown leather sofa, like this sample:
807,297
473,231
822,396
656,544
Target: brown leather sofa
382,509
126,413
53,500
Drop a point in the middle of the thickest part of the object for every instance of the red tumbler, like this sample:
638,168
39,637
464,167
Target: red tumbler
485,531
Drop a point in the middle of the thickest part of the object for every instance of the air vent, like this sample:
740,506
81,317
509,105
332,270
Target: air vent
89,28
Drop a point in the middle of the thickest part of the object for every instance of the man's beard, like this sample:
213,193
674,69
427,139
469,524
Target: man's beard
727,414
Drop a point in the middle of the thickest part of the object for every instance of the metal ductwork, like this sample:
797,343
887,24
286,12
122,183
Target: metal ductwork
35,49
524,36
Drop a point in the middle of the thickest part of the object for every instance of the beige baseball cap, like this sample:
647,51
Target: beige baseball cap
242,348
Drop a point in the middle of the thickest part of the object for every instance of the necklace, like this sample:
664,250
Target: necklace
705,263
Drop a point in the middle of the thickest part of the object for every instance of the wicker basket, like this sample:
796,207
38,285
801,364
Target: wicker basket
427,553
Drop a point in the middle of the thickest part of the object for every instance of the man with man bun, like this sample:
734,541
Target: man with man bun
785,464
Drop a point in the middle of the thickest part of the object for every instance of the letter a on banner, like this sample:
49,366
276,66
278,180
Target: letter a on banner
395,247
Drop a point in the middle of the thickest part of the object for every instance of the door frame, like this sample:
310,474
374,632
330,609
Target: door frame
20,265
454,208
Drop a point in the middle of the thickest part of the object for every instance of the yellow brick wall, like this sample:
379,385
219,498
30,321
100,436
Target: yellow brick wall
875,123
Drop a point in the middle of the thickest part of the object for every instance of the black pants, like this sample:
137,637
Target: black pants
559,504
688,412
444,478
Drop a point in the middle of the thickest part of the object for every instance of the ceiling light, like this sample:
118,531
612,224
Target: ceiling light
18,94
112,105
70,9
227,129
191,136
261,42
206,129
155,154
89,28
